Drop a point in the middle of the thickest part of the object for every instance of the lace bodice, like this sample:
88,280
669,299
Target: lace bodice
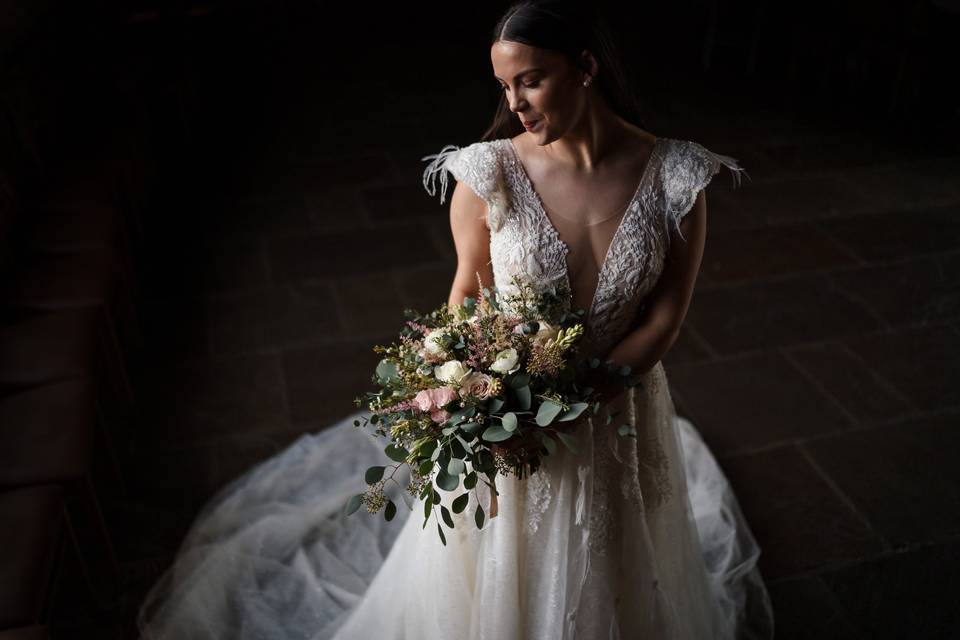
525,244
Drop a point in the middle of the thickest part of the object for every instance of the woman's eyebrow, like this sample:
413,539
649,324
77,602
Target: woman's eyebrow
523,73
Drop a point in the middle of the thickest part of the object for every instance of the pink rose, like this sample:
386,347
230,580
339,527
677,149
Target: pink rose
439,416
443,395
429,399
424,400
477,385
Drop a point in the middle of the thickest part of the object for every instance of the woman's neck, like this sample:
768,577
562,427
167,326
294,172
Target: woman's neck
598,135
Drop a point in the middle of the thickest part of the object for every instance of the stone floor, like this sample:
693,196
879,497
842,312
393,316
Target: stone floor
819,357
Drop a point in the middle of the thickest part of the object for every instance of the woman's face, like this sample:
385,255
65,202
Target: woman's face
541,86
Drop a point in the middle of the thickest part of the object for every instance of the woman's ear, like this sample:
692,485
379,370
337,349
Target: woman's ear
588,64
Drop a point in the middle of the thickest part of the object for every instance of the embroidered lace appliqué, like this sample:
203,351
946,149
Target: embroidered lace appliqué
538,499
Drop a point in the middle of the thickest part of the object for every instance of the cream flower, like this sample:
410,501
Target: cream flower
506,361
433,343
451,371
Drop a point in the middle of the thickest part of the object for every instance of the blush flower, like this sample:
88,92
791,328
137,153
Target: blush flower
439,416
478,385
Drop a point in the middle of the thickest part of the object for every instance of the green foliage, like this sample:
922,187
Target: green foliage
353,504
547,412
374,474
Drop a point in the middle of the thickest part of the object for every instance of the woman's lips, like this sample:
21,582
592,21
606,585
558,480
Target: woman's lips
530,124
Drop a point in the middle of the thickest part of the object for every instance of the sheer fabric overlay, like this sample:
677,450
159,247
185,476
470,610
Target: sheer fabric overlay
629,538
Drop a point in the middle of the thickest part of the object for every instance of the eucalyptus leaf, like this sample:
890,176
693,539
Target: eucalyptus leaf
353,504
470,480
509,422
479,516
426,467
445,514
443,538
547,412
374,474
569,441
448,430
496,433
575,410
460,503
436,454
407,499
396,452
390,511
446,481
519,380
523,396
427,448
456,467
427,506
387,371
495,405
549,444
471,427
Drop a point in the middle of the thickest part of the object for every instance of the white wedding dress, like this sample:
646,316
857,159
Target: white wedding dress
630,538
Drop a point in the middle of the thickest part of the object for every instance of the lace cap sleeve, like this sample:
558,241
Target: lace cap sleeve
688,169
478,167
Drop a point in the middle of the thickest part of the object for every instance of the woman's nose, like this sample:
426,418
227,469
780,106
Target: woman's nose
515,103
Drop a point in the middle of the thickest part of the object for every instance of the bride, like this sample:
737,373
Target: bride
629,537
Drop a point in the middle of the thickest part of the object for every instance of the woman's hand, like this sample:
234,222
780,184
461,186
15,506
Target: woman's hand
608,386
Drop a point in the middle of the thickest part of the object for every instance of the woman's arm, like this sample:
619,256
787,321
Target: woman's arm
668,301
472,240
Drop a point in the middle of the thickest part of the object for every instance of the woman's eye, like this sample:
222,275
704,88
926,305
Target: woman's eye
533,85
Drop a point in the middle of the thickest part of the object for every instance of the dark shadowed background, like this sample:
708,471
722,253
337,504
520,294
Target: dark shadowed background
210,211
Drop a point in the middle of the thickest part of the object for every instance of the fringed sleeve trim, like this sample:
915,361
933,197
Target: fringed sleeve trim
437,167
693,169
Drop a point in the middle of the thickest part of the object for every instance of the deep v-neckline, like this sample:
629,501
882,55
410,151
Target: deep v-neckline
542,214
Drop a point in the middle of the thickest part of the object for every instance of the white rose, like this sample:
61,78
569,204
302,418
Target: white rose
451,371
506,361
433,343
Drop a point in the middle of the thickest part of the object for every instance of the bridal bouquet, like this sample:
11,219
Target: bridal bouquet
475,390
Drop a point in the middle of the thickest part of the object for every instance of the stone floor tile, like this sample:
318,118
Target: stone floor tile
901,477
909,185
804,609
898,234
914,292
760,253
799,522
850,382
746,317
754,401
904,595
790,201
921,363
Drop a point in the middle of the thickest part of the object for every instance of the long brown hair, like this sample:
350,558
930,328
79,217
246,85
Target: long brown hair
568,27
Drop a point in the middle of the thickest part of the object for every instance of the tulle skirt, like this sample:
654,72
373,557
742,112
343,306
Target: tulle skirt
627,538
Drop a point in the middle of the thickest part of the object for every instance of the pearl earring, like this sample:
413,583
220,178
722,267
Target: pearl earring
586,83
